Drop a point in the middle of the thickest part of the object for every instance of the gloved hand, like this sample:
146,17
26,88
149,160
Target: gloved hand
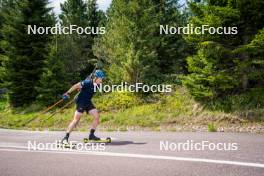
65,96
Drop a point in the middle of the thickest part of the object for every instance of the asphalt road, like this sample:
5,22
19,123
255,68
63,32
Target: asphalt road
132,153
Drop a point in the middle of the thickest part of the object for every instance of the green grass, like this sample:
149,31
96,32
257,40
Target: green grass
211,127
127,111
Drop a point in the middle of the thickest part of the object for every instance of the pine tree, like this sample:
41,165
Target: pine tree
77,49
92,14
234,70
5,6
251,21
172,49
255,63
133,47
53,82
72,47
1,39
210,73
74,12
129,46
26,53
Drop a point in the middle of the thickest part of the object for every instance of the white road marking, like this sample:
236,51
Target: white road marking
131,155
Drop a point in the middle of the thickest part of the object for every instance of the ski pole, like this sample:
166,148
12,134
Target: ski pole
67,104
97,65
46,110
91,75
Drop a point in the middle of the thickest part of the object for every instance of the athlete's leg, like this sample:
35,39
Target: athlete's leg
74,122
96,120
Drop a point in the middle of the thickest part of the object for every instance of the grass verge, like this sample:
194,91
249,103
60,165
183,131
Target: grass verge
176,111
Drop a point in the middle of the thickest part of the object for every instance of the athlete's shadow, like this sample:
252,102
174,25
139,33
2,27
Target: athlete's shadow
126,143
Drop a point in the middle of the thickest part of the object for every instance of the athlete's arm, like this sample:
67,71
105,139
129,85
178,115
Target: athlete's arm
74,87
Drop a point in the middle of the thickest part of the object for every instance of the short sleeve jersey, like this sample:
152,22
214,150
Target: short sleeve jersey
86,93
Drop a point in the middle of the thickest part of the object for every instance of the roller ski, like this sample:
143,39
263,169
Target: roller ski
94,139
64,143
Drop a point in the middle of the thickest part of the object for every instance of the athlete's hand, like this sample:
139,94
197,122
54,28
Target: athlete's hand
65,96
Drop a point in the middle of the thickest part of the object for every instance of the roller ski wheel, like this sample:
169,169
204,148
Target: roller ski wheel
66,145
107,140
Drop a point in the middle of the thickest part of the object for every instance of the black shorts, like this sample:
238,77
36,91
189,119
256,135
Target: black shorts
87,108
